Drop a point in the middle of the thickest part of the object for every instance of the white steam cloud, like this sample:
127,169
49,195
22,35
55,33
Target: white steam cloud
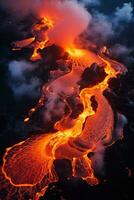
20,84
125,13
18,68
91,2
104,26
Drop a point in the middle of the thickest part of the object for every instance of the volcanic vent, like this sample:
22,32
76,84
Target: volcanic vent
73,100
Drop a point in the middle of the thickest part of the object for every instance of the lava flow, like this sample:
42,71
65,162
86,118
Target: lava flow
29,166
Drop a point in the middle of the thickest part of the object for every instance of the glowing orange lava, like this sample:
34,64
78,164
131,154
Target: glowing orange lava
39,40
31,163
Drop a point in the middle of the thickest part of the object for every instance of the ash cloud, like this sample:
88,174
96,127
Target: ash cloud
21,83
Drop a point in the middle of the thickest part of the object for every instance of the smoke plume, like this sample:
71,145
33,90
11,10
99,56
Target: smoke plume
105,27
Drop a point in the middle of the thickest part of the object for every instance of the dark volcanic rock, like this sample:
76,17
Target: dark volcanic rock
52,53
92,76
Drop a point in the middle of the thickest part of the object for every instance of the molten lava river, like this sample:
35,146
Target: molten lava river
86,118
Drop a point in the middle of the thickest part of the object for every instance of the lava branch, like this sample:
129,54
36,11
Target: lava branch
40,38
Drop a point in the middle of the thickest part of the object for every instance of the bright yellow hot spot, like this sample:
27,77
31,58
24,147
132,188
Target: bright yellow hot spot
75,52
48,22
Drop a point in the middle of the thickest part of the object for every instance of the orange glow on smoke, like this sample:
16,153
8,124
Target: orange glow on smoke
31,162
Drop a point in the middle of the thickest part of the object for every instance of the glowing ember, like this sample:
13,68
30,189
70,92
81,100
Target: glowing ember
31,163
